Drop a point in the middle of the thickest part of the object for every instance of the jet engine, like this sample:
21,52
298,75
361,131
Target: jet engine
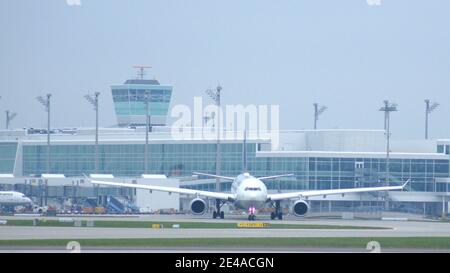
39,210
198,206
300,208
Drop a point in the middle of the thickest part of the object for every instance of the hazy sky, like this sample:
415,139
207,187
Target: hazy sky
347,55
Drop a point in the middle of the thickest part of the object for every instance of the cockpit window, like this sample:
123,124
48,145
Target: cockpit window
253,189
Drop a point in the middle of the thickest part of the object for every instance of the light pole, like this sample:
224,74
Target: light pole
215,96
94,102
428,109
318,110
147,98
387,108
9,117
46,103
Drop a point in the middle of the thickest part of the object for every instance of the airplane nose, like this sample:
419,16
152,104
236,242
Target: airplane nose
255,196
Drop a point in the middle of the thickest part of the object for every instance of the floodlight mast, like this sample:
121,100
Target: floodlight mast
9,117
147,98
46,103
318,110
215,96
428,109
94,102
387,108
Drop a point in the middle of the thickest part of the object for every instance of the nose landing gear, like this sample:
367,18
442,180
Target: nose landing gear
251,214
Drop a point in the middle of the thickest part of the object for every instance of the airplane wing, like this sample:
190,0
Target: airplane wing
215,176
217,195
303,194
275,176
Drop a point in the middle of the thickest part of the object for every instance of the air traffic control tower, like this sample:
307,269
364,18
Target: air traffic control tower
129,101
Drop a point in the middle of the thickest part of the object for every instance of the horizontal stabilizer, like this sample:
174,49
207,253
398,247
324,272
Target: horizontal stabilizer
275,176
215,176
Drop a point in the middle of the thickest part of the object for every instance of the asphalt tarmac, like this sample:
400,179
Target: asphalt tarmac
396,229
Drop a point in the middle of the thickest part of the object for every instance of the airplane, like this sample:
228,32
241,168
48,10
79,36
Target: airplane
13,198
249,193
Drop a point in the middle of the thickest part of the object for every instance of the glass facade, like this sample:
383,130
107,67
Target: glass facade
7,157
443,149
177,160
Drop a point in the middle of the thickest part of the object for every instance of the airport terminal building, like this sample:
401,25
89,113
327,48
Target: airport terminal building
319,159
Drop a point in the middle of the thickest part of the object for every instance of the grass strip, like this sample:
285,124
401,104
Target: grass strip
338,242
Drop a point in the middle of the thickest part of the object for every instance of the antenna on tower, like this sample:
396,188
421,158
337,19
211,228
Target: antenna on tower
141,70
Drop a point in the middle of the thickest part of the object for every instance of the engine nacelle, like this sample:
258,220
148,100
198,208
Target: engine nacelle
198,206
300,208
39,210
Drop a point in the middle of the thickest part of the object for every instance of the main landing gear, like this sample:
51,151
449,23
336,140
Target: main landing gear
217,213
277,214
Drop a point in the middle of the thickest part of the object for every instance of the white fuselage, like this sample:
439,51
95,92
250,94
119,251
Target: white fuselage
251,193
13,198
